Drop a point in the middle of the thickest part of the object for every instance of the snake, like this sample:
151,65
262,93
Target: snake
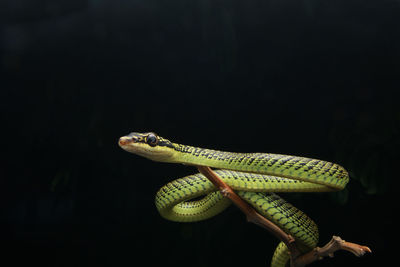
255,177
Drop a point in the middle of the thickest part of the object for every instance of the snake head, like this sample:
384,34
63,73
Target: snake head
148,145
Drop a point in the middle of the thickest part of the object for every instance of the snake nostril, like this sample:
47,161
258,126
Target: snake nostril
123,141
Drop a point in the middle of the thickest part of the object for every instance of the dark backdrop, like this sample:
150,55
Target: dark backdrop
302,77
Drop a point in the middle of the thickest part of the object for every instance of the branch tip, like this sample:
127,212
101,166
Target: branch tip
335,244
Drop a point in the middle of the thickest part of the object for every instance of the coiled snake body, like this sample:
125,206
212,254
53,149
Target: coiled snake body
254,176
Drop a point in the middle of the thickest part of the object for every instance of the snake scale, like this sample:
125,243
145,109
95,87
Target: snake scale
256,177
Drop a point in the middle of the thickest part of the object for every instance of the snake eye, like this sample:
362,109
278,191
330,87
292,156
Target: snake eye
152,139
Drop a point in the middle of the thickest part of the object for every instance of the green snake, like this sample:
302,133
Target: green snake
254,176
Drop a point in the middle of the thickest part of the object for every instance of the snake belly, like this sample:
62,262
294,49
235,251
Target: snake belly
256,178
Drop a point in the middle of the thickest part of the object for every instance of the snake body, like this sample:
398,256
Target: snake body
256,177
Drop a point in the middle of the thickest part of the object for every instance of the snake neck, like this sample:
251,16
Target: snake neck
251,162
208,157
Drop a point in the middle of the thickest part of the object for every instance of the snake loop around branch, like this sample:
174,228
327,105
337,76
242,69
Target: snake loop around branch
256,177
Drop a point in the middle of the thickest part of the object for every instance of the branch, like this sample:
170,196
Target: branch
296,259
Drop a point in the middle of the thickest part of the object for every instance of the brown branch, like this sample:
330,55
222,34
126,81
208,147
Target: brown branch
296,260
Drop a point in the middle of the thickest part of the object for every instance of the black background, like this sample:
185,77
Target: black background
310,78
